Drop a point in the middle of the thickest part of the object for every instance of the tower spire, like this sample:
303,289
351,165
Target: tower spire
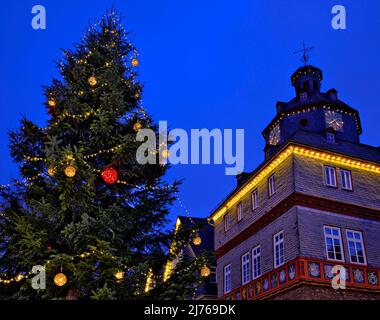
305,57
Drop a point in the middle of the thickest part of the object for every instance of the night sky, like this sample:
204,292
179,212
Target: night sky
204,64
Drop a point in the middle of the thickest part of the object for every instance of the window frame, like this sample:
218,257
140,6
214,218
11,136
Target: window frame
245,262
212,277
255,199
362,244
333,237
254,258
275,244
349,178
239,212
325,177
226,220
225,278
271,178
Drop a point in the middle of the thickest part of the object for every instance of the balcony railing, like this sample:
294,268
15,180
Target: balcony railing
305,269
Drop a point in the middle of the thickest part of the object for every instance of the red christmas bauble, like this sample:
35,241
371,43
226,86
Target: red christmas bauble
109,175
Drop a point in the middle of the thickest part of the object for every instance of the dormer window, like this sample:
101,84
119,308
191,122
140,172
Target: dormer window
330,137
303,96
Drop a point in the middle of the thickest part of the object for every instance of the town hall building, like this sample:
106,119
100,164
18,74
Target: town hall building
311,208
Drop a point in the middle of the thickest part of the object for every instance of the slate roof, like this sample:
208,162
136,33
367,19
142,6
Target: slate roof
355,150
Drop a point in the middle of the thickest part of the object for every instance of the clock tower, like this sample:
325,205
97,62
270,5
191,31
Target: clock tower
307,213
311,110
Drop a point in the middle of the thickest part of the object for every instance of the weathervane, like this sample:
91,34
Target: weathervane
304,51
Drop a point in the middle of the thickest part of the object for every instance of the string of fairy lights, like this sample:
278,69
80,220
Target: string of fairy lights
109,174
60,278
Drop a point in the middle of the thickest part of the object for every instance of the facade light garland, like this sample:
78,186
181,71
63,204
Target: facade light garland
309,152
309,109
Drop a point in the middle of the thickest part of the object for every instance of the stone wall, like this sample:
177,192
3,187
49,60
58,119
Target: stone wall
312,292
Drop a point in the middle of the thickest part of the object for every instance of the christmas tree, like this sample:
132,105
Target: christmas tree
88,212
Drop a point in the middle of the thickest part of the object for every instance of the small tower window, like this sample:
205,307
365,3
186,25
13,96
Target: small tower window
305,85
330,137
303,96
315,85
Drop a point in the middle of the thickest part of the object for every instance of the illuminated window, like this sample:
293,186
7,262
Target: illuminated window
330,137
255,199
271,186
333,242
227,278
256,262
245,269
356,247
346,179
239,214
330,176
303,96
278,249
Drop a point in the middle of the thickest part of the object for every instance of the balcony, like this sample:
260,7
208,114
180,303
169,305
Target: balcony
305,270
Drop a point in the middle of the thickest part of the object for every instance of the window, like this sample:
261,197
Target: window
356,247
278,249
333,241
330,137
315,85
245,269
256,262
239,212
226,222
213,275
271,186
346,179
255,200
330,176
306,85
303,95
227,278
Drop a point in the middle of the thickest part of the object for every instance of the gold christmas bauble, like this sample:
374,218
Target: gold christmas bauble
70,171
137,126
60,279
92,81
52,102
135,62
205,271
51,171
197,240
119,275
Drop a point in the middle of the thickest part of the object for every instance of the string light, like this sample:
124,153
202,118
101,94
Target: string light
308,109
293,149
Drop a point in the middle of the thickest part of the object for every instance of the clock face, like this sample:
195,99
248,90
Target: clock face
274,136
334,120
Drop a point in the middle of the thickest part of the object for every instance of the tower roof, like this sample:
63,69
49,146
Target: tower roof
307,70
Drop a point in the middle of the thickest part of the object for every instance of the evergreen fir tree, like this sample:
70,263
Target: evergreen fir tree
88,210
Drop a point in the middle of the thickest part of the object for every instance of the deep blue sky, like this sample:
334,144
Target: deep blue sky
205,64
